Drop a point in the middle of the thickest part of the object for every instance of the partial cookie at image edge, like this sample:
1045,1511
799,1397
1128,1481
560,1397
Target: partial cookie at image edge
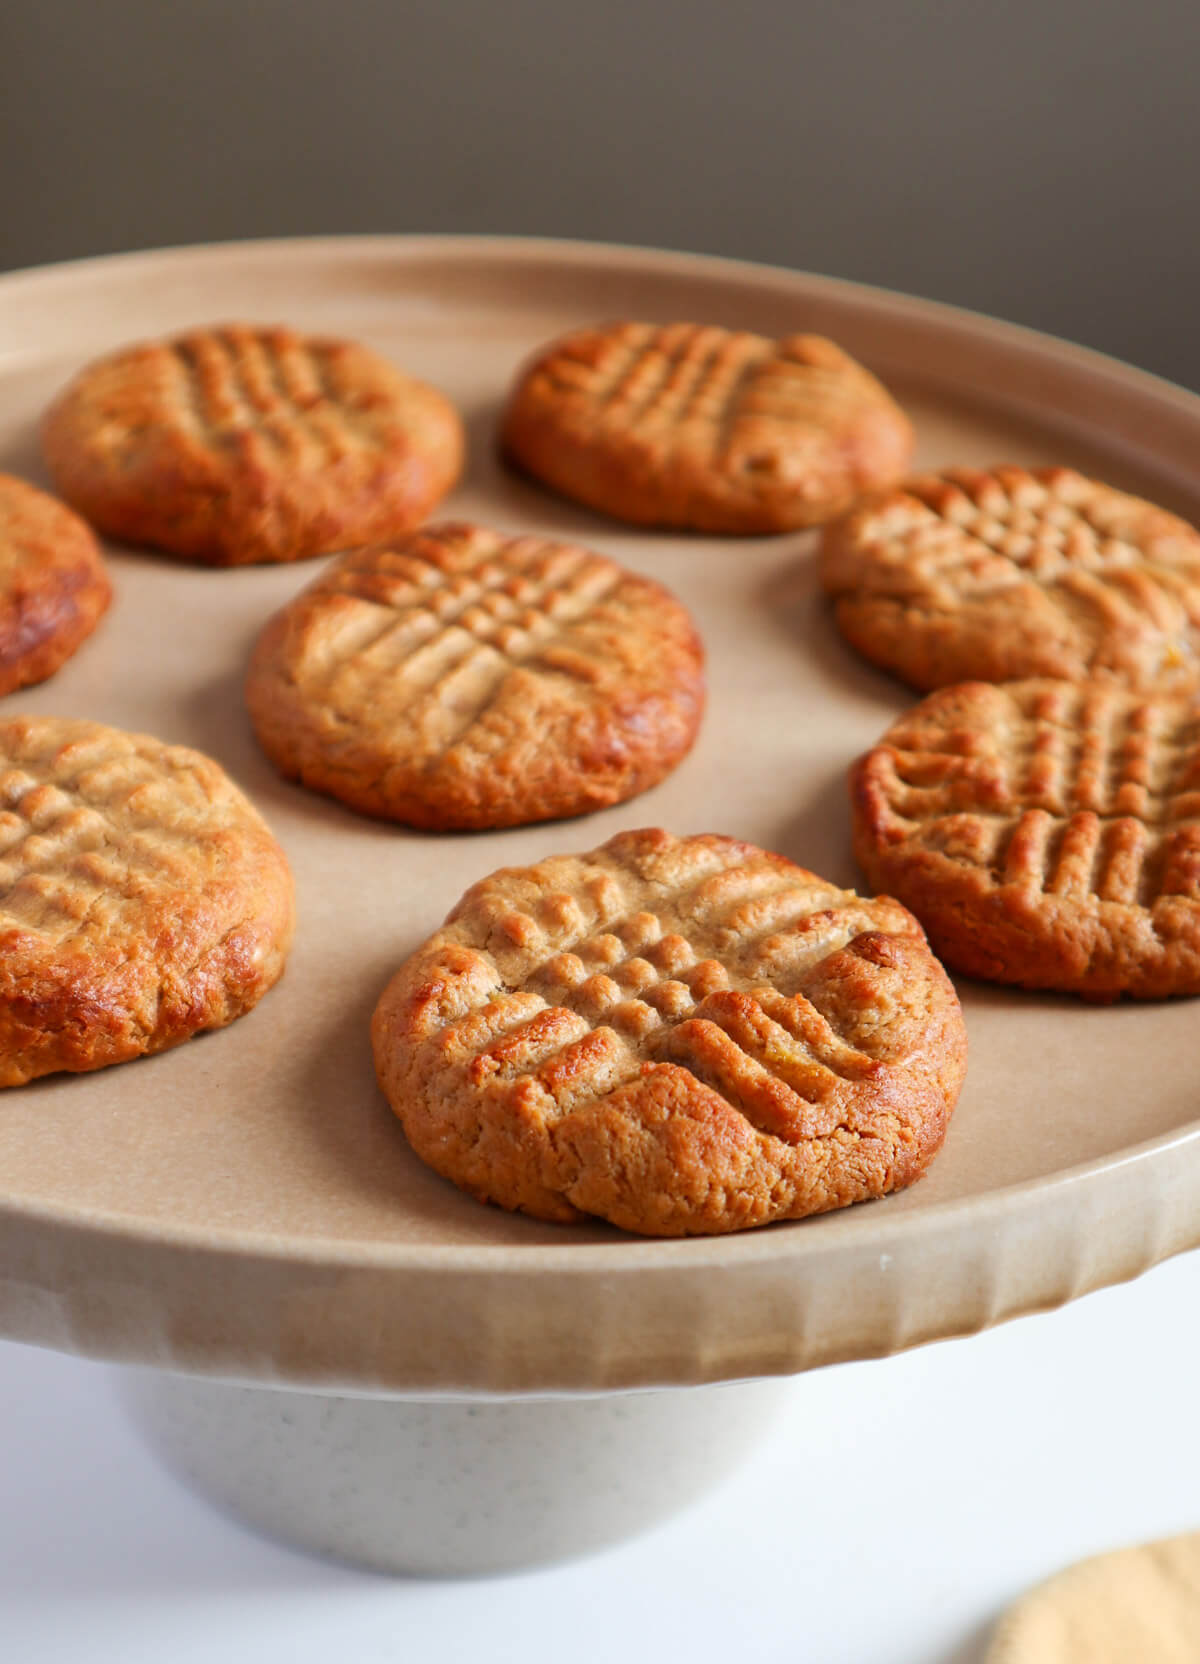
142,897
1007,573
1046,833
54,587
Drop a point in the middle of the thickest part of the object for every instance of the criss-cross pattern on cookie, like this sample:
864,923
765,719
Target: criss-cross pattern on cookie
463,678
98,826
417,643
703,428
246,444
285,398
1071,791
437,626
966,533
1012,573
688,387
675,1034
142,899
577,989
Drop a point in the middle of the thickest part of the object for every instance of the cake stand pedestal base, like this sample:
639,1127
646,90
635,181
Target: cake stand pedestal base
454,1486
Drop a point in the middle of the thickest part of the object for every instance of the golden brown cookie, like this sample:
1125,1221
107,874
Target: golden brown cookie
998,575
141,897
678,1035
464,679
53,586
705,429
242,444
1045,833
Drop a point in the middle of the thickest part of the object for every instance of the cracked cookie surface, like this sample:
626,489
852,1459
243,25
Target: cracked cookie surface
142,897
1003,574
241,444
53,586
705,429
678,1035
461,678
1045,833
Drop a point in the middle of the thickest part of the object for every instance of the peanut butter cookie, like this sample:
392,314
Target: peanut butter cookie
1045,833
237,445
679,1035
53,585
141,897
705,429
464,679
1010,573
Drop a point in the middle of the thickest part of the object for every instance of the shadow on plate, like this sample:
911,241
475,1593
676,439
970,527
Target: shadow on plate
817,835
515,501
793,604
340,1105
22,456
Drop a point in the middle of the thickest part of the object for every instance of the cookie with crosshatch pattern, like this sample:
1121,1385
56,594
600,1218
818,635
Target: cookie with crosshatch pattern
705,429
142,897
678,1035
1046,833
995,575
241,444
463,679
53,586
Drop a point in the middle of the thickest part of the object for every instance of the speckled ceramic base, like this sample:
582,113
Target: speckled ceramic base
451,1487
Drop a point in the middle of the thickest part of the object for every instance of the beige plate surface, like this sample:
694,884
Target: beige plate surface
247,1206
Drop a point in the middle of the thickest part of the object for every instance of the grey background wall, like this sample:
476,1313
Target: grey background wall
1036,159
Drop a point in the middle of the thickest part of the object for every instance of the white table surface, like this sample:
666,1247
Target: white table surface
897,1507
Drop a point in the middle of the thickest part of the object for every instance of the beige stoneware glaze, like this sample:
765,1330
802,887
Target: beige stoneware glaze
247,1207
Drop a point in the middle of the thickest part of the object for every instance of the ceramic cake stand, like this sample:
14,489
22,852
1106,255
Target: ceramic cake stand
333,1340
